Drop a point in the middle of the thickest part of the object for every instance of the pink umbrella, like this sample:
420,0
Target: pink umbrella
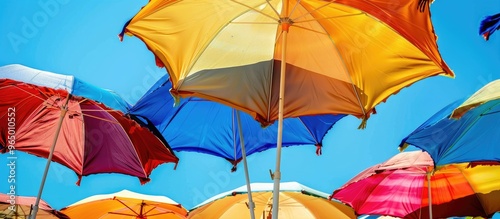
12,206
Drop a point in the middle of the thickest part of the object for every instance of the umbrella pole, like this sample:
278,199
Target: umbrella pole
277,173
429,193
49,159
251,204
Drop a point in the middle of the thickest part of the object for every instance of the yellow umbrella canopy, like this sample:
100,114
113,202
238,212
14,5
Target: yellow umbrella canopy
296,201
340,57
125,204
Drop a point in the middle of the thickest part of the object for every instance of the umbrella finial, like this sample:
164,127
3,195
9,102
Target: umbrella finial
363,123
403,146
120,35
318,149
175,96
423,4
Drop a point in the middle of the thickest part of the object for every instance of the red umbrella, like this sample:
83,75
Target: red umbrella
77,132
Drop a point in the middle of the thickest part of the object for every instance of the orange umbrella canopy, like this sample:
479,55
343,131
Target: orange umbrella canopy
126,205
341,57
296,201
19,207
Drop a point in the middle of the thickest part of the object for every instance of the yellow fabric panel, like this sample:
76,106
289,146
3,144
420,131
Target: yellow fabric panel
410,23
292,205
491,91
240,43
179,40
310,46
460,181
380,60
484,180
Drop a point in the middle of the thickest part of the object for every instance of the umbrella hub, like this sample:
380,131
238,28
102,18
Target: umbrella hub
285,22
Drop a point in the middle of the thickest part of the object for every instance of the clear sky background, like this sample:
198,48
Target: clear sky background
80,38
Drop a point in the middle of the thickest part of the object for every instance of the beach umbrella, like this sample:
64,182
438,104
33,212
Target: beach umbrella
199,125
19,207
399,187
339,57
296,201
463,131
46,119
489,25
126,204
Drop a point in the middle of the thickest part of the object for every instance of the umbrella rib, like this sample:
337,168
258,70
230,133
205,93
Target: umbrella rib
31,93
116,198
253,9
145,213
468,129
122,214
328,18
308,130
310,12
303,204
103,110
234,136
98,118
489,113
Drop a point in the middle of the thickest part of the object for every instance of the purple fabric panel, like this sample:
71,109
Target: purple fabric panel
107,145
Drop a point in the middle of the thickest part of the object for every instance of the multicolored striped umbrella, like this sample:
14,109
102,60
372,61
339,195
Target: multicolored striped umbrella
399,188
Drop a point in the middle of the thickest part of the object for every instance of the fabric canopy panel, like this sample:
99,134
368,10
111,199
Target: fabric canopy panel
126,204
342,57
465,189
463,131
296,201
199,125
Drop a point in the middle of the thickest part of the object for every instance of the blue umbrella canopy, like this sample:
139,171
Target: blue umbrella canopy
462,131
199,125
489,25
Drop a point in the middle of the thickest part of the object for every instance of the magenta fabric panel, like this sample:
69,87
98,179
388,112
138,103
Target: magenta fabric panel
107,145
398,192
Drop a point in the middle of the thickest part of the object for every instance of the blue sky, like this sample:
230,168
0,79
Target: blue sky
80,38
